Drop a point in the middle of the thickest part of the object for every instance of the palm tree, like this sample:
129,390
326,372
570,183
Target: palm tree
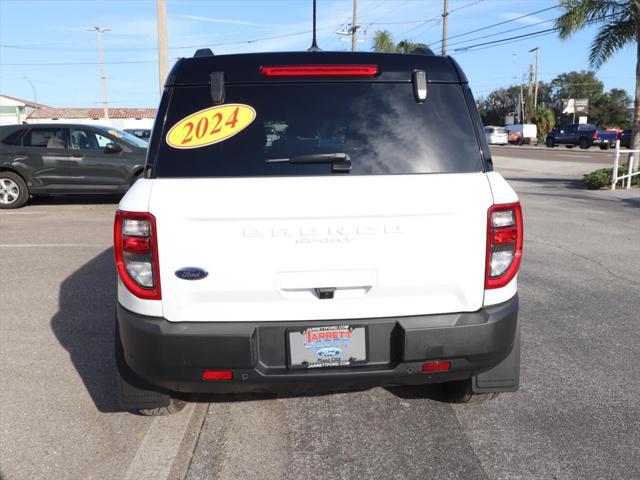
619,25
383,42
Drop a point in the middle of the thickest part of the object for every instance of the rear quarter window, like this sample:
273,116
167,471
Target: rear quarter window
15,137
379,125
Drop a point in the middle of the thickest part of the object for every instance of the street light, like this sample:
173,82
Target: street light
35,95
103,78
520,78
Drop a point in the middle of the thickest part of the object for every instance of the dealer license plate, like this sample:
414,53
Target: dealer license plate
334,346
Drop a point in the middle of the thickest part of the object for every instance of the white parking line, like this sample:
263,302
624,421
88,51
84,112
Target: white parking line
53,245
160,445
572,156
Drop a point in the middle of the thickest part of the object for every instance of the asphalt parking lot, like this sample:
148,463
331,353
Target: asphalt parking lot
576,416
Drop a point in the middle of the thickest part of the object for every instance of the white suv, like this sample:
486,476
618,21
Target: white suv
360,247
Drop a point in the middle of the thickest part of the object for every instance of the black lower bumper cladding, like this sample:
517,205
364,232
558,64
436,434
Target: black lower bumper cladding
172,355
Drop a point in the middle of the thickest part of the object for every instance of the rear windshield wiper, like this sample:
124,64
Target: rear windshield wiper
340,162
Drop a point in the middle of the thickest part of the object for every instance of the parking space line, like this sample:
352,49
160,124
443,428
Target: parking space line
572,156
49,245
160,445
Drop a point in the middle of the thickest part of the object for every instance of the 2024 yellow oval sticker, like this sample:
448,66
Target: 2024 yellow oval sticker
211,125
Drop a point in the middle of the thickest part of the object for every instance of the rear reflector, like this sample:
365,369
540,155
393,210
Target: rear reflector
362,71
217,375
437,366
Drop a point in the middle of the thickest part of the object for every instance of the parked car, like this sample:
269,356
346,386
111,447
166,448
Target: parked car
45,159
574,134
143,133
605,138
339,256
496,135
625,138
520,134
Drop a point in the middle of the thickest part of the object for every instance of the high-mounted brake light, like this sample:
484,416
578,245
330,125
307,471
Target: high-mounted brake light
136,251
361,71
504,244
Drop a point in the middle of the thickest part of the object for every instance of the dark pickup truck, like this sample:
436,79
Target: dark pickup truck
583,135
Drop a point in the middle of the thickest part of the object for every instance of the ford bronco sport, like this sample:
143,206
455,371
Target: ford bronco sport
356,247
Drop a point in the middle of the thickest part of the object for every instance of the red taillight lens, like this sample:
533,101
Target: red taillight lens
136,251
595,134
504,244
319,71
217,375
436,366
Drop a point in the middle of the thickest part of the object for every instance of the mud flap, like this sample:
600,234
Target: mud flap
133,392
504,377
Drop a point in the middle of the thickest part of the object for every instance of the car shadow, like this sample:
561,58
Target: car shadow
78,199
84,326
547,182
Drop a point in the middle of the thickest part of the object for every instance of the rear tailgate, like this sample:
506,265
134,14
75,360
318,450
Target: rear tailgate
389,245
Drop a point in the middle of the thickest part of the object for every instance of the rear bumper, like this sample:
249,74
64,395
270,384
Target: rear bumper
172,356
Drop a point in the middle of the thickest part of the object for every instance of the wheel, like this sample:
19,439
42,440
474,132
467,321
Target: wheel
550,143
460,392
583,143
519,141
175,406
13,190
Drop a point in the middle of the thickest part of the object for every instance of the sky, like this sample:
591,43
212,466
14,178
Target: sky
48,42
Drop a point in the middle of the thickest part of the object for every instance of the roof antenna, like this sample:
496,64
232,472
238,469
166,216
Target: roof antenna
314,46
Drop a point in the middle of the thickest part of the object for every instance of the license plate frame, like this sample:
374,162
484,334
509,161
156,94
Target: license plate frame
304,346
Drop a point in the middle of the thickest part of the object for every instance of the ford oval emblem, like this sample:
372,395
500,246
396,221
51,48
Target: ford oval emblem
329,352
191,273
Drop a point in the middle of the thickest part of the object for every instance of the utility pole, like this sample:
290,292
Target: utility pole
445,18
163,49
103,78
354,26
535,92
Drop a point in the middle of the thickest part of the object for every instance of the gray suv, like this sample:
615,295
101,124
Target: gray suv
45,159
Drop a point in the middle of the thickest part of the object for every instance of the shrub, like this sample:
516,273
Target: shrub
602,178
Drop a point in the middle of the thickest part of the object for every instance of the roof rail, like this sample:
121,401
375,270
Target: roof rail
203,52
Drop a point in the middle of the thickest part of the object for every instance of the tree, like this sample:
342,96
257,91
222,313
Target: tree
383,42
583,84
612,109
619,25
545,120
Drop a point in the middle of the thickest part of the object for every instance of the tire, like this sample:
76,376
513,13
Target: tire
583,143
550,143
519,141
13,191
460,392
175,406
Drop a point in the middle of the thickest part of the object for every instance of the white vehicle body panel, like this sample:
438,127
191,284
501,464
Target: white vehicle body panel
391,245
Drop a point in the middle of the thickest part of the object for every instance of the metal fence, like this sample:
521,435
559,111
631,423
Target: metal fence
615,178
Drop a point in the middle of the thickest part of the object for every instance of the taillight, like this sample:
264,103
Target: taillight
595,135
136,250
504,244
319,71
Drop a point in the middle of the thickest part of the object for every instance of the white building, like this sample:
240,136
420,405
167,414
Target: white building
16,110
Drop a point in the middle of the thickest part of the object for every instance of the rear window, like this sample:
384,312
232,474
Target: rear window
15,137
379,126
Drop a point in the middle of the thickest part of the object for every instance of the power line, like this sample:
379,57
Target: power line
505,41
496,24
501,32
